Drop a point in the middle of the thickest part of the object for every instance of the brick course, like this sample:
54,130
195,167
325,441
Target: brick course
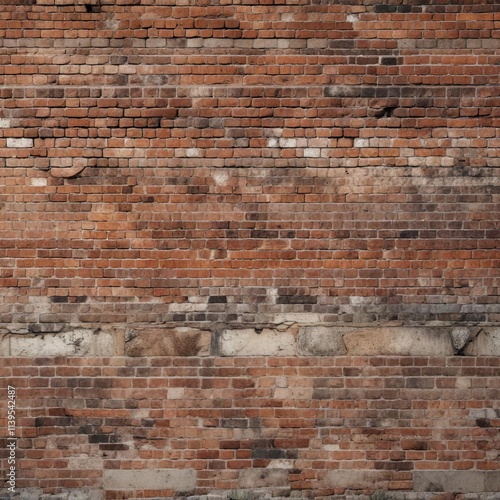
187,151
179,178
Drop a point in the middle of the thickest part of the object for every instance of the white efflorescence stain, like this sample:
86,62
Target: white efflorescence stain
22,142
38,181
220,178
192,152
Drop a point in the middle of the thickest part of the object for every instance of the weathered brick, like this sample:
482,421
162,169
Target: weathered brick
178,480
19,143
465,482
251,343
285,219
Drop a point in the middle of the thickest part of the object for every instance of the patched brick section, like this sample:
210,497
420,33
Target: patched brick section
258,342
264,478
178,480
467,482
268,258
71,342
151,341
19,143
251,250
250,424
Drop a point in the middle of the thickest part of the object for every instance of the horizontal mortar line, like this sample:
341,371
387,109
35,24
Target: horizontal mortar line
267,51
237,86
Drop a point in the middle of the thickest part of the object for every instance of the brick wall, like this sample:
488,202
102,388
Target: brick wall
164,427
250,204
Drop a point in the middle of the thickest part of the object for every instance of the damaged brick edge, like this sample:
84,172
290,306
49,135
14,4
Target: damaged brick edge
284,338
59,339
379,340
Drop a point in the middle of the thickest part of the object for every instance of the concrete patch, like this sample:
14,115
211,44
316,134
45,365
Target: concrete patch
85,494
399,341
355,479
179,480
492,481
159,341
264,478
320,341
466,481
78,342
73,494
250,343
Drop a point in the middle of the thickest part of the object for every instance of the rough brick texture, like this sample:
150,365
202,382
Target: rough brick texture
279,156
228,202
308,426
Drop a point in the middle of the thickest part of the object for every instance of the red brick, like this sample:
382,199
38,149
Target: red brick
244,165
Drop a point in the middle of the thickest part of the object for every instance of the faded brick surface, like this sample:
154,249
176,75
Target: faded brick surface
197,425
249,160
151,341
251,244
401,341
178,480
466,482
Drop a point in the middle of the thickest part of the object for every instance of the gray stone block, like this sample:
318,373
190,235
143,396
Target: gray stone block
74,494
356,479
161,341
248,342
264,478
77,342
399,341
463,481
320,341
486,343
86,494
492,481
179,480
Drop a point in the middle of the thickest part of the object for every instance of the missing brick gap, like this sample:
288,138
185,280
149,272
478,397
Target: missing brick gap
90,8
387,111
